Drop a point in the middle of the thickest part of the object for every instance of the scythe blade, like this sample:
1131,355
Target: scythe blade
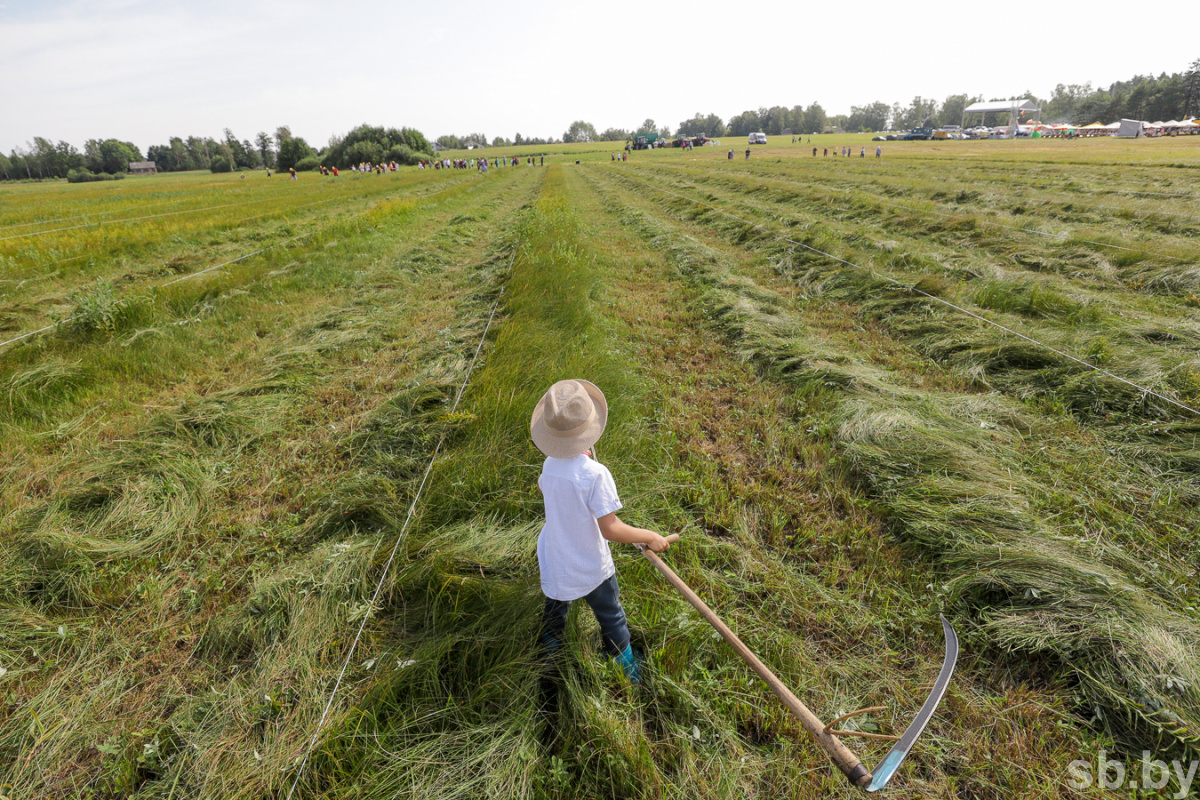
891,762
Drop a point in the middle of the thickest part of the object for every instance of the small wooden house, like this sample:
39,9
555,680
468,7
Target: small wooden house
142,168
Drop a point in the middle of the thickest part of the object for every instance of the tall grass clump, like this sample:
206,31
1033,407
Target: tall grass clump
454,709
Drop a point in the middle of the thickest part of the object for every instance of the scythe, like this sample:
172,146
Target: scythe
825,735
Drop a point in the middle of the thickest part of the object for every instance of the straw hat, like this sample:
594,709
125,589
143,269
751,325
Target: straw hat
569,418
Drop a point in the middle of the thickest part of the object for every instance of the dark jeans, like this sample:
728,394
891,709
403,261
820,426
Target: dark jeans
605,601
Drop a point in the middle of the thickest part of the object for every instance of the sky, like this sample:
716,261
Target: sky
142,71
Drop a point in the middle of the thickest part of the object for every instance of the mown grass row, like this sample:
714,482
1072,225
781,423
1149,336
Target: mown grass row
1156,354
1143,245
958,478
39,270
155,552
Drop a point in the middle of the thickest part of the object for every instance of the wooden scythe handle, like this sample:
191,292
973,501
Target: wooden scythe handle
846,761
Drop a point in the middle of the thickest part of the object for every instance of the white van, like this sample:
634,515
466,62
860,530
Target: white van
758,138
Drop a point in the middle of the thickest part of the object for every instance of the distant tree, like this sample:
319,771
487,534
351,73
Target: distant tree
42,150
262,143
745,123
282,134
6,170
614,135
517,140
110,155
291,151
200,152
1191,90
376,145
709,124
20,163
220,163
813,119
365,151
871,117
499,141
1063,105
918,114
580,131
648,126
253,159
774,120
241,154
450,142
162,156
951,111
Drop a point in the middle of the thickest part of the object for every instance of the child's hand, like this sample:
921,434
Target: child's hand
661,543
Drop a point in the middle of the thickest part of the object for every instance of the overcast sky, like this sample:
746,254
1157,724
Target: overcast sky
145,71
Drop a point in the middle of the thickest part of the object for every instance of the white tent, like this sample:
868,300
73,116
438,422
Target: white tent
997,106
1013,107
1129,129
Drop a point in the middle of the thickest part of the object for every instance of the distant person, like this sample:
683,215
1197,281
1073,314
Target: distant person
747,153
862,153
543,161
268,173
293,171
878,150
731,155
826,155
814,152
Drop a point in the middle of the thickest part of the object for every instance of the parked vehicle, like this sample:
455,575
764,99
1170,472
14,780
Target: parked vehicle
758,138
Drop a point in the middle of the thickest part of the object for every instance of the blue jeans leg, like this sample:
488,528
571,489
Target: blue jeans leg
605,602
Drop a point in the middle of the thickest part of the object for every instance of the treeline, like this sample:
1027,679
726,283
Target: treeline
42,159
1143,97
282,150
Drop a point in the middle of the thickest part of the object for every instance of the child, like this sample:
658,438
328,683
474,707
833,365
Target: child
581,504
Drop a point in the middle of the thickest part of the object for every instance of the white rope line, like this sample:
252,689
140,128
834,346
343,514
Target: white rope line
943,301
395,547
75,216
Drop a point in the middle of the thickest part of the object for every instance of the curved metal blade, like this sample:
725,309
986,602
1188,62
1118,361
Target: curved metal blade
891,762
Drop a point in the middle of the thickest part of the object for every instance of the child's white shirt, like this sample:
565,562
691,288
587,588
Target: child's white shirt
572,555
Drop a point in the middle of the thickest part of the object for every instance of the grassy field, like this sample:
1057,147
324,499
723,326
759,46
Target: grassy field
814,376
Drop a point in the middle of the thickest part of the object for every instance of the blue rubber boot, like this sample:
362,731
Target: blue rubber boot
630,663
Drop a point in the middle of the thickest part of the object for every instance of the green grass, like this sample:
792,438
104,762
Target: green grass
202,481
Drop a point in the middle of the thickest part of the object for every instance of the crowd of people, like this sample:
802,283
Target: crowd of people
482,164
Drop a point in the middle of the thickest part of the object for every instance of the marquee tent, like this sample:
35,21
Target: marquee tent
1129,129
1013,107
